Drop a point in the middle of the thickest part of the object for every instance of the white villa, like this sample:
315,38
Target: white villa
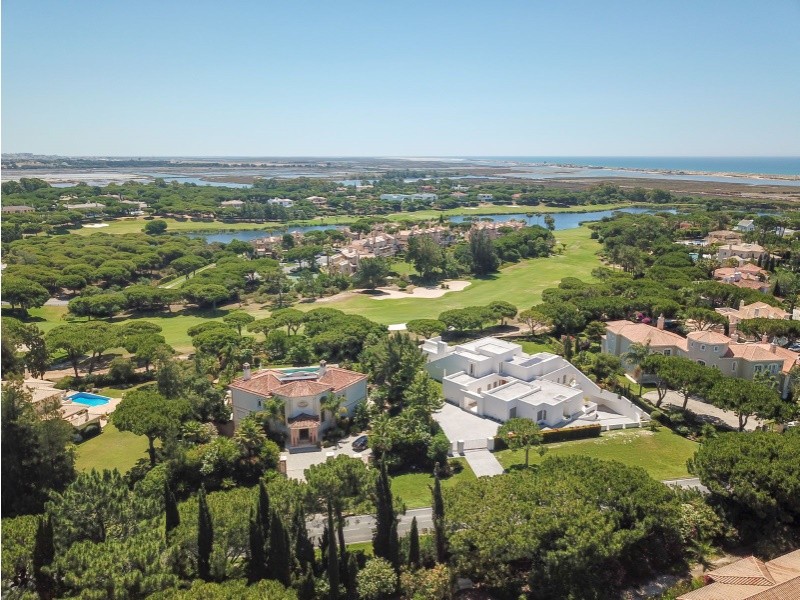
302,391
284,202
496,379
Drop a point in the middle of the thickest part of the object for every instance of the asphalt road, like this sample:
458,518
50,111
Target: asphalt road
360,528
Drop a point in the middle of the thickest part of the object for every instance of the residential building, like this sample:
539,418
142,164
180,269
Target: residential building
85,206
747,275
485,197
136,208
494,378
267,246
302,392
232,203
425,197
723,236
317,200
756,310
745,226
45,396
441,235
741,252
708,348
752,579
395,197
493,228
284,202
459,195
18,209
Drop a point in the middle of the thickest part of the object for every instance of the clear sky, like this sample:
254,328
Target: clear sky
401,78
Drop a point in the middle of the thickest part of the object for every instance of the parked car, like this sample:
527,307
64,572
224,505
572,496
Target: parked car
360,443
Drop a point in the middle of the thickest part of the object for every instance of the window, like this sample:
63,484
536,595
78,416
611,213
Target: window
541,415
702,348
733,366
512,414
716,348
702,363
471,369
667,352
757,369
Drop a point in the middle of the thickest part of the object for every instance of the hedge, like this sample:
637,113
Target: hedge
564,434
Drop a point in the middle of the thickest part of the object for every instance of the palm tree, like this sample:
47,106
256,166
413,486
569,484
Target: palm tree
333,405
250,437
636,355
275,410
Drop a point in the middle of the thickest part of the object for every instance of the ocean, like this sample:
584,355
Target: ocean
762,165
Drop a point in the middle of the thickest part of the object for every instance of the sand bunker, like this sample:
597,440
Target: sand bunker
422,292
95,225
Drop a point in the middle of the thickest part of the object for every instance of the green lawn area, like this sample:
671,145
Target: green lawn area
413,489
112,449
521,284
662,454
135,226
422,215
542,344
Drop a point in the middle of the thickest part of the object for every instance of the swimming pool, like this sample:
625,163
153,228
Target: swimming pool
88,399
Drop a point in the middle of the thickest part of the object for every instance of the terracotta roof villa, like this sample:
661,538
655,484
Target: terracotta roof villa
302,391
732,358
752,579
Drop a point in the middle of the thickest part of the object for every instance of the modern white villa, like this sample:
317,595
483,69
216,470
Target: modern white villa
302,391
496,379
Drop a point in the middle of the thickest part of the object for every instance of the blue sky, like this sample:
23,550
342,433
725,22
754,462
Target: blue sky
402,78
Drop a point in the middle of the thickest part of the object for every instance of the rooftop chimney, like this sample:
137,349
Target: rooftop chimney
773,347
323,367
660,322
741,304
246,369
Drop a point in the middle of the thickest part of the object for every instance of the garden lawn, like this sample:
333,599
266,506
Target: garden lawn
663,454
112,449
520,284
413,490
543,344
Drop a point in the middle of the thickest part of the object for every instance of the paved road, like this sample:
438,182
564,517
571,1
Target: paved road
360,528
704,409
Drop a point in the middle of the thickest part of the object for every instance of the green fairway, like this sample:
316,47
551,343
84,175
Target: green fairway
112,449
137,225
663,454
413,490
521,284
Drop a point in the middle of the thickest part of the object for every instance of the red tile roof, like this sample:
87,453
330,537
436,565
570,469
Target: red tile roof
268,382
646,334
298,389
339,378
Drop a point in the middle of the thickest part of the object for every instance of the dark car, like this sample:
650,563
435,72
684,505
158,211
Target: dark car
360,443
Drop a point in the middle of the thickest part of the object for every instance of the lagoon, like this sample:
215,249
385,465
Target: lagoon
564,220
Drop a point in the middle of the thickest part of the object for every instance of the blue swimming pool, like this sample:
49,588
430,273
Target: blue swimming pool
88,399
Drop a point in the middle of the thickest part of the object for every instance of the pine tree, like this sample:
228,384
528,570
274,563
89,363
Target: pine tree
567,347
413,545
205,536
340,534
438,518
306,590
264,512
351,577
303,548
385,543
279,558
43,554
324,544
257,559
173,518
333,557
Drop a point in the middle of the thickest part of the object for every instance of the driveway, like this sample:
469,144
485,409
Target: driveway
297,462
459,424
704,409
